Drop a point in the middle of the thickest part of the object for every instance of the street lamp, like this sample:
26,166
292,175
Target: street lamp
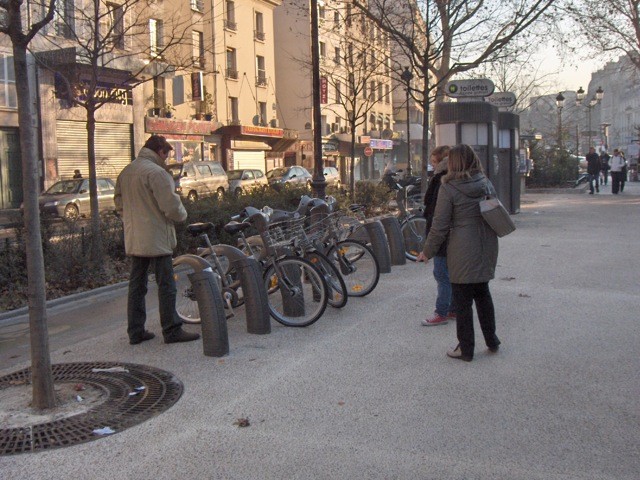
560,104
407,76
592,103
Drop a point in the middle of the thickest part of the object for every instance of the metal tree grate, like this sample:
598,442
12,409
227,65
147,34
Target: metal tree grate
121,410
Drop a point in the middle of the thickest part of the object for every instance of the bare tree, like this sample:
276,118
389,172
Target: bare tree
443,38
12,13
107,35
358,77
608,26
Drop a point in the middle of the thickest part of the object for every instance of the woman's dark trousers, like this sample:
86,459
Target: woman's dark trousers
464,295
136,307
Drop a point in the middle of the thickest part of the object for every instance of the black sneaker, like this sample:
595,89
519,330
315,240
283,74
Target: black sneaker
146,335
180,336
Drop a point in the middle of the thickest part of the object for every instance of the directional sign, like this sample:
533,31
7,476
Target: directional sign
368,151
502,99
481,87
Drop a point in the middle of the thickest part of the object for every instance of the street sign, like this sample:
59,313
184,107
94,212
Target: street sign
381,144
501,99
368,151
481,87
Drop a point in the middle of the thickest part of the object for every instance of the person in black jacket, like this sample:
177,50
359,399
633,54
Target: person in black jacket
444,311
593,169
604,168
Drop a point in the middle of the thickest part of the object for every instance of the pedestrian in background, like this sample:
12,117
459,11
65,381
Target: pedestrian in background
623,172
472,250
443,312
145,196
604,168
617,162
593,169
77,174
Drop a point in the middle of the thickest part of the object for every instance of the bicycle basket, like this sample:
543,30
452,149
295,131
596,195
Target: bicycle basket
285,233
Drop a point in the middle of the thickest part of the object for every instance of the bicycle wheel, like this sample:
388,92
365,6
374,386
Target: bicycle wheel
296,292
358,266
186,304
413,231
337,289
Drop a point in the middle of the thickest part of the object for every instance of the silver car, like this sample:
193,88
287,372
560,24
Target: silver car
245,180
332,176
70,198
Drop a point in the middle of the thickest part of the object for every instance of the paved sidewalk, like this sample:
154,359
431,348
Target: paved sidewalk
368,393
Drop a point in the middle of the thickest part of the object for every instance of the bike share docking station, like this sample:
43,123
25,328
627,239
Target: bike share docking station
207,288
479,119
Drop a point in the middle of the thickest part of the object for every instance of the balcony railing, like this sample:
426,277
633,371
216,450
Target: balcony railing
231,73
259,35
229,25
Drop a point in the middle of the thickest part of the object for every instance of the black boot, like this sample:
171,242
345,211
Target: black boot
179,336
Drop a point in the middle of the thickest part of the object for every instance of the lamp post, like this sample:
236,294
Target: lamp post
560,104
407,76
592,103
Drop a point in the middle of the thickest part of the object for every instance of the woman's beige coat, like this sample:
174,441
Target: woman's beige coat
472,249
145,196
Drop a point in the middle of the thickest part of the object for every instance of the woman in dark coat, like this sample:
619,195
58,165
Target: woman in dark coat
443,312
472,248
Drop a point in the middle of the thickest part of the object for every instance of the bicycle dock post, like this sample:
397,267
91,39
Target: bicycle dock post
215,338
255,296
395,239
379,244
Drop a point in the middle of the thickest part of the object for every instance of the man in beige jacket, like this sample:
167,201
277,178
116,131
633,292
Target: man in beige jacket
146,199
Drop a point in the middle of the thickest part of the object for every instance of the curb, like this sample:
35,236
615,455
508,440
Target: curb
13,316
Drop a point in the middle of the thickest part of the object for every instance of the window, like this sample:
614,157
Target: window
387,94
232,71
321,12
233,111
258,33
348,19
262,106
115,28
197,5
350,54
352,83
336,17
338,93
323,50
158,92
261,78
380,92
198,48
372,91
230,18
8,96
156,41
63,19
336,55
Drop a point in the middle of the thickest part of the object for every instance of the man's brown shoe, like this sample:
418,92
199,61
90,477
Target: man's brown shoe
146,335
180,336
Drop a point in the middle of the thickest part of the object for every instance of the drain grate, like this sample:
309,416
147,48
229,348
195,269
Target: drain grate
121,410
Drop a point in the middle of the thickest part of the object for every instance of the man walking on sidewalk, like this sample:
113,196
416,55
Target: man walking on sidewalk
145,197
617,162
593,169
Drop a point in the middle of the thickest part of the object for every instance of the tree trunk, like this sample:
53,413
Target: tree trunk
41,375
96,238
352,173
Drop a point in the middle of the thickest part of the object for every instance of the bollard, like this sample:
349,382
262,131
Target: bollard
215,339
255,296
379,245
395,239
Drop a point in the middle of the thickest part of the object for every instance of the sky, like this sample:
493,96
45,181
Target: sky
572,73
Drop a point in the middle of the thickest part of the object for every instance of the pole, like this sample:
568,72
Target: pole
319,184
589,134
408,134
560,127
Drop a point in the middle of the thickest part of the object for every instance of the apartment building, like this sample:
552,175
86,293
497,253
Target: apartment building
355,86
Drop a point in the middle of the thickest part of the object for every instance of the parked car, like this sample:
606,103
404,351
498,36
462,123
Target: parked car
294,175
199,179
332,176
70,198
246,180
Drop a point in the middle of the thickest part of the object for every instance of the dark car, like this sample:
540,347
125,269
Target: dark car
332,176
296,175
70,198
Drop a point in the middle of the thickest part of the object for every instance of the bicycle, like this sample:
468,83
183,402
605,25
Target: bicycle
297,291
413,225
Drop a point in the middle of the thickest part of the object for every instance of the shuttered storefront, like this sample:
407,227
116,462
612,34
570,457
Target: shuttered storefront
248,159
113,148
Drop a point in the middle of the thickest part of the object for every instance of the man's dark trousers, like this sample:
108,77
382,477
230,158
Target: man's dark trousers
593,179
136,308
615,182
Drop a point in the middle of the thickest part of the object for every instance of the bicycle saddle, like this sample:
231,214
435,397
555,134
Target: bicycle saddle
235,227
198,228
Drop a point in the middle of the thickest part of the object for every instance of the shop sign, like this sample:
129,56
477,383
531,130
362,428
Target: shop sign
197,92
261,131
329,147
168,125
502,99
106,92
381,144
324,90
365,139
481,87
